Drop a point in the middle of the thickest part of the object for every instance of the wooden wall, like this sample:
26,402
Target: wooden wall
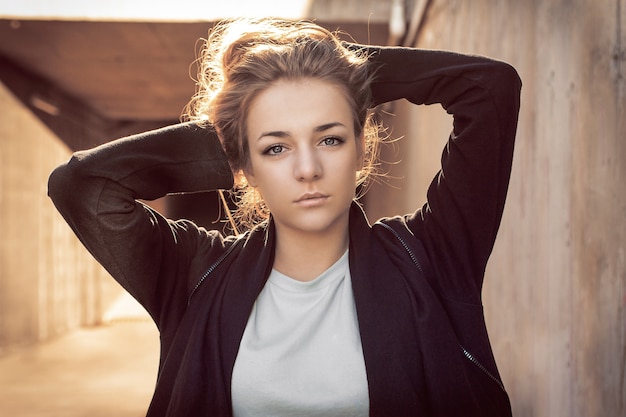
555,292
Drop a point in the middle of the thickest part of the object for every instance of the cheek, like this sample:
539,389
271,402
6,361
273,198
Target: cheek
253,169
348,173
360,152
266,178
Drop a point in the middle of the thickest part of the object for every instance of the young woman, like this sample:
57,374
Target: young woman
313,311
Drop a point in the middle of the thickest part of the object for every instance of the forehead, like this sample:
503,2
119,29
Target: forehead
296,105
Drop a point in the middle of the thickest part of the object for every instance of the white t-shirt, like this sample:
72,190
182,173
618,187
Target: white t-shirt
301,352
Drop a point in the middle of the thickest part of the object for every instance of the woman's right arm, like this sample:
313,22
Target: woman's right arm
97,192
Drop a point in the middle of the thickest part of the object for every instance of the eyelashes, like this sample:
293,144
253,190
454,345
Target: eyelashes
274,150
332,141
279,148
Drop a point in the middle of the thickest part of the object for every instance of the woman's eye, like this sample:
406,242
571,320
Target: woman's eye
274,150
332,141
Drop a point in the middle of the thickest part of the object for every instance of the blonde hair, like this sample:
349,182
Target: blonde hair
243,57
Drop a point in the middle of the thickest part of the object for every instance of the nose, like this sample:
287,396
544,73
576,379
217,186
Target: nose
308,166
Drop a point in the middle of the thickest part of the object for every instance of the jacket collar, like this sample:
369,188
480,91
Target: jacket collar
380,306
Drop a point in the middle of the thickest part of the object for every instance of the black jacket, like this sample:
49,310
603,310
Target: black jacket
416,278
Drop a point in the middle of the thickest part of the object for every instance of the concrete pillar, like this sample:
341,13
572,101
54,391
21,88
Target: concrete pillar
49,284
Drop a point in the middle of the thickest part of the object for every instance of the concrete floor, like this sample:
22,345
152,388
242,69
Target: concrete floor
109,370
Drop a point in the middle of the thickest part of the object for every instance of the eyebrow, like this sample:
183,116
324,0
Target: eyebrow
318,129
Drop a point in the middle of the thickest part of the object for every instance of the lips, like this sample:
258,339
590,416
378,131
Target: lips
311,199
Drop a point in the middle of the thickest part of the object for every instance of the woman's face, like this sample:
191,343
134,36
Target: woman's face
304,155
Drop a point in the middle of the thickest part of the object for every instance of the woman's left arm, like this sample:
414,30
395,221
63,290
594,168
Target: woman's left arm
465,201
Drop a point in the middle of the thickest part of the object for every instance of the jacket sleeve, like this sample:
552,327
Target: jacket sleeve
465,201
97,192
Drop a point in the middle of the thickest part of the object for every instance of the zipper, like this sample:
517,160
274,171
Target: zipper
211,268
466,353
482,368
404,244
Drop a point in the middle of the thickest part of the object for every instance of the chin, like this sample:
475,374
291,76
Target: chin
319,223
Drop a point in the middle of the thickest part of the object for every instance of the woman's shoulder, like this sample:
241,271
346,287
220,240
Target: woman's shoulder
202,240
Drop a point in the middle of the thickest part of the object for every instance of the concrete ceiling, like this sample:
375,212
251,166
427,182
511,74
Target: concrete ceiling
136,71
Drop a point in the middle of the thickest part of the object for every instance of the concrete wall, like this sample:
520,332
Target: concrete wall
555,292
48,282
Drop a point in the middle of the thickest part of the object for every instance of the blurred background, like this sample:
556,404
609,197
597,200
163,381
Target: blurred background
74,74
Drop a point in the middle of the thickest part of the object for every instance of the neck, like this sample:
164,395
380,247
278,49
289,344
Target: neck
304,257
